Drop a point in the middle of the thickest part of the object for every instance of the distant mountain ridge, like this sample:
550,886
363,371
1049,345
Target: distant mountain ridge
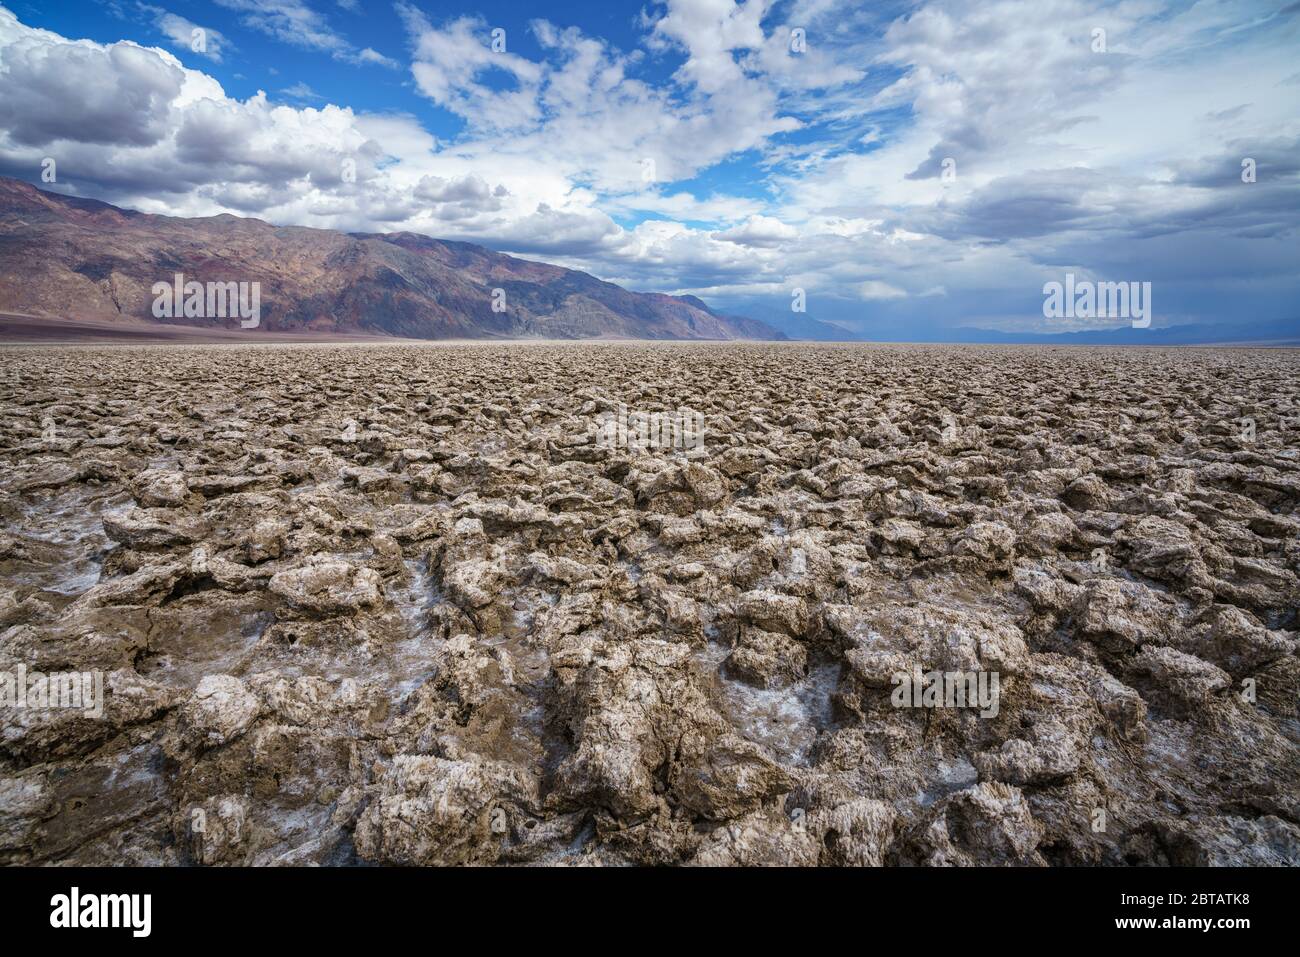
802,326
1277,331
68,257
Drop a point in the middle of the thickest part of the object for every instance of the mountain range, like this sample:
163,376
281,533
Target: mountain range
69,258
1238,332
65,257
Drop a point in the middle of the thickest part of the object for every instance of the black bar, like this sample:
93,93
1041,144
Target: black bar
213,906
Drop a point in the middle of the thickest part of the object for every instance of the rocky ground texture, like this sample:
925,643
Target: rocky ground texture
395,605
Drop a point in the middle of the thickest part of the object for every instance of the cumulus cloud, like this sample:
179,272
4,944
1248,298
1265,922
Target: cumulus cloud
460,199
119,94
759,231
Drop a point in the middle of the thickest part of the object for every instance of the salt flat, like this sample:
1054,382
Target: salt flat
402,603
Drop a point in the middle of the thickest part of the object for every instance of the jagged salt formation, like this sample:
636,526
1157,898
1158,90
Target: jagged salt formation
396,605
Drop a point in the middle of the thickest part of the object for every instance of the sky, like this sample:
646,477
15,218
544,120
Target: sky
903,165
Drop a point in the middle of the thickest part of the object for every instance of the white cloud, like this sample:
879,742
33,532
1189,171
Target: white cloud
581,110
50,90
296,23
875,289
187,36
301,91
291,21
759,231
449,64
367,55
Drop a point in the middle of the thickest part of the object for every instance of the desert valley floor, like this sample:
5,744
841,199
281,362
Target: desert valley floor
397,604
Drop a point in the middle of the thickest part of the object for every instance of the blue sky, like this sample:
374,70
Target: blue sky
915,165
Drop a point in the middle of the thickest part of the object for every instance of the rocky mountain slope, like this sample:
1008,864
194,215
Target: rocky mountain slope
76,258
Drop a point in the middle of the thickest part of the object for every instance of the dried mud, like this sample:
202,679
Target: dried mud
395,604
